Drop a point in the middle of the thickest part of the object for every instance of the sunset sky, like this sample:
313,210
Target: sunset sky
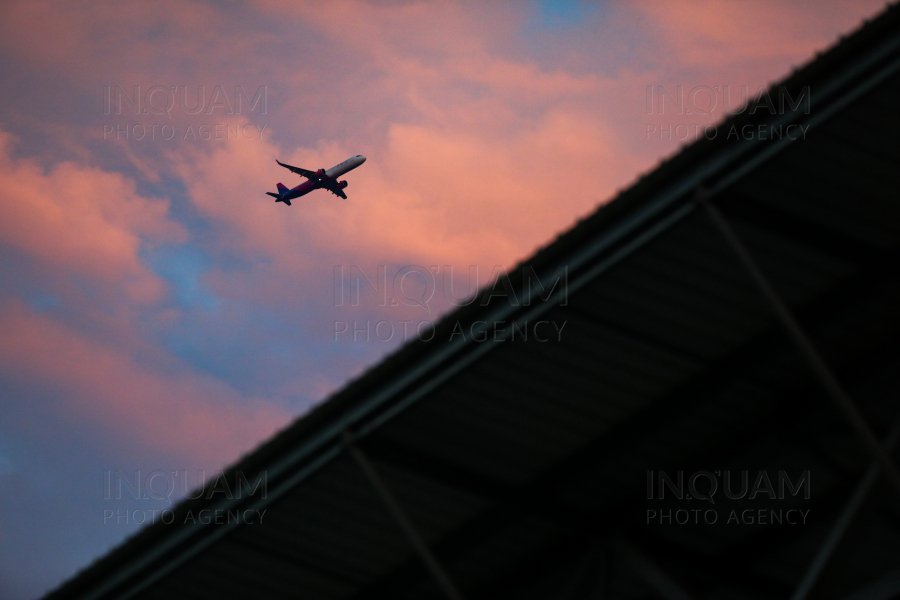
160,313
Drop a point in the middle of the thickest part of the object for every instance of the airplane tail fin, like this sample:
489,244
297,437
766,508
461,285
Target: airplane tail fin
282,191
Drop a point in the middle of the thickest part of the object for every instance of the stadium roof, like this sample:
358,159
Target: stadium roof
519,468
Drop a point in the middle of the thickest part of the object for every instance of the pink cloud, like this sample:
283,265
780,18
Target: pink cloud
104,388
112,38
476,154
482,156
713,34
79,220
83,220
427,194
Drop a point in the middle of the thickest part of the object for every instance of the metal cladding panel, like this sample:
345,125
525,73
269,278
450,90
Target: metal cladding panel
683,293
827,192
513,539
516,425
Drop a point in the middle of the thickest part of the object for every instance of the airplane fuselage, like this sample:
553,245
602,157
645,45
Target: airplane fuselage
325,177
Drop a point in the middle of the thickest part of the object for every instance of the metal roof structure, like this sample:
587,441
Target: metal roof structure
735,311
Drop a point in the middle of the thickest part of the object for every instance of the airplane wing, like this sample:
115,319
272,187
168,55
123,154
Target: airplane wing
305,172
334,189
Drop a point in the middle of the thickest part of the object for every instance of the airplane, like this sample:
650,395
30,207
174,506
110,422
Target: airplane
317,179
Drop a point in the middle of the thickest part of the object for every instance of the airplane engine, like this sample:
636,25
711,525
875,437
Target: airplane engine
320,173
342,184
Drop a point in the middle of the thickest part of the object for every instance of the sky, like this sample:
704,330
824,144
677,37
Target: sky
160,316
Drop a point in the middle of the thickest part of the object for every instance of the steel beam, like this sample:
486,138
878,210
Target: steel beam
412,534
809,351
885,588
843,522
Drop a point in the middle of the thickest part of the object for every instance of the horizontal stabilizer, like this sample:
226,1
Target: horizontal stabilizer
279,198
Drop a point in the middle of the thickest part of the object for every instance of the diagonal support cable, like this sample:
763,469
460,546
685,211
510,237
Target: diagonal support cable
412,534
844,520
807,348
